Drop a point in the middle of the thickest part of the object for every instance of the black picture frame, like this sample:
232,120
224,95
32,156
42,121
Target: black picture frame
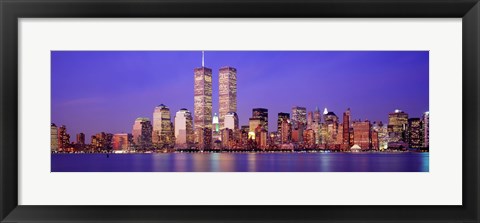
12,10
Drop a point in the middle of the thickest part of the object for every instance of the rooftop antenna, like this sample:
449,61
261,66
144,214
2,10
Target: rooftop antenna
203,58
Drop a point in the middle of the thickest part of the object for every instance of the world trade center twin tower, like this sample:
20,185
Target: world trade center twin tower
227,92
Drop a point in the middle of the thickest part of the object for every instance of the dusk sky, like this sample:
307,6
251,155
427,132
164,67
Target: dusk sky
95,91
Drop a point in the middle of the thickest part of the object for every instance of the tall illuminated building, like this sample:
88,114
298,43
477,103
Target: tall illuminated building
142,133
231,121
362,134
317,115
330,117
203,105
285,130
309,120
53,137
426,129
227,92
382,131
262,114
346,129
253,123
397,126
162,132
216,128
415,133
183,128
80,139
281,116
63,138
299,117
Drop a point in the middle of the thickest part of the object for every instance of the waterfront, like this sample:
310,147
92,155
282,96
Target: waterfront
243,162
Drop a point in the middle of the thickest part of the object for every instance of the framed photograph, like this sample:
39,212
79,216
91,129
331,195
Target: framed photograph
227,111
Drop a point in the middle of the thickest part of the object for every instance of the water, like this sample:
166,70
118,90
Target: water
242,162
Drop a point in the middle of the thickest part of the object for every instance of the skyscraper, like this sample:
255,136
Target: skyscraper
286,130
426,130
299,117
80,139
231,121
317,116
53,137
262,114
142,133
415,133
397,126
309,120
281,117
203,105
63,138
227,92
346,129
183,128
162,132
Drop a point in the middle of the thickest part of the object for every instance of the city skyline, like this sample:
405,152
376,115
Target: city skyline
337,81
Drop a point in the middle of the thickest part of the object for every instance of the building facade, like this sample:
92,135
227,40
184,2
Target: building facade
426,129
262,115
227,92
299,117
362,134
53,138
202,114
121,141
397,126
162,131
142,133
184,134
415,133
63,138
231,121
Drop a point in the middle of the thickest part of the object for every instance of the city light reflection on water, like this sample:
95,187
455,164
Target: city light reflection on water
242,162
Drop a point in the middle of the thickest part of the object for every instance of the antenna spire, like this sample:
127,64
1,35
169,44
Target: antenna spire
203,58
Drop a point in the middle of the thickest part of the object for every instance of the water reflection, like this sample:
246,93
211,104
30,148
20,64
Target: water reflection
242,162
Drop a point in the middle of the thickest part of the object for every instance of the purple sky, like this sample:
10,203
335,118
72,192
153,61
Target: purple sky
95,91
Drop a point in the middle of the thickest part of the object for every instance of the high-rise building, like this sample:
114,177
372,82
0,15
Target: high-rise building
285,130
184,134
231,121
53,137
415,133
281,117
309,120
397,126
317,116
330,118
382,131
362,134
309,138
162,132
203,105
80,139
299,117
375,141
262,114
63,138
121,141
426,129
253,123
142,133
227,91
346,129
